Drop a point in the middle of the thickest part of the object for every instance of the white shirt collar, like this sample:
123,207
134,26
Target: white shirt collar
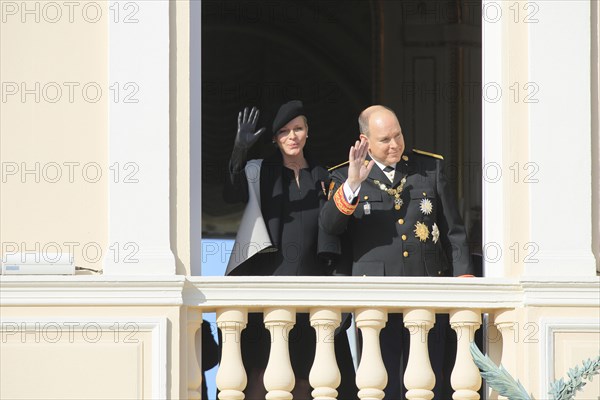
382,166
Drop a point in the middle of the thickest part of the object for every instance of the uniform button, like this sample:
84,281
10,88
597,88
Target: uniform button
401,221
439,272
424,194
403,237
405,254
366,197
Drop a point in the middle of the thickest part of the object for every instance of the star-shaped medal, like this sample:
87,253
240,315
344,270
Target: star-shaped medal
421,231
426,206
435,233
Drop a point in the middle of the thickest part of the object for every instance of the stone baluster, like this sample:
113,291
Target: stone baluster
419,378
231,376
506,322
279,377
371,376
325,375
465,378
193,353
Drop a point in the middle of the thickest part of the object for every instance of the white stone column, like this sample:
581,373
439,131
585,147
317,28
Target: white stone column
465,378
419,378
559,141
138,170
279,377
371,376
493,193
325,374
231,376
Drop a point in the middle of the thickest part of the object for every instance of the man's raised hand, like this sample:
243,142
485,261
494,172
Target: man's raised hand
358,167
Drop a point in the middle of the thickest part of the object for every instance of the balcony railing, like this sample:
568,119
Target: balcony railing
559,304
370,299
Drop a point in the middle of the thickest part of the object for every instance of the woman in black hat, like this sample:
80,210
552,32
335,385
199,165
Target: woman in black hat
290,189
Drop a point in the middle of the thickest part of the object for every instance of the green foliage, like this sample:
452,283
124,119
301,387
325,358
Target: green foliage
502,382
561,390
497,377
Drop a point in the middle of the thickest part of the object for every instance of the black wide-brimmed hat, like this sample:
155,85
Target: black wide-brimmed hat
286,113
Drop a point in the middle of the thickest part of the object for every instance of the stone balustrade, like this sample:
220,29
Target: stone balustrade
370,300
166,314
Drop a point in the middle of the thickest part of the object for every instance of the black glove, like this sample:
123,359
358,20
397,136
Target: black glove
245,138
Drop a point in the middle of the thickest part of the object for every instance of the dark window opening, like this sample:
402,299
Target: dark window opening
420,58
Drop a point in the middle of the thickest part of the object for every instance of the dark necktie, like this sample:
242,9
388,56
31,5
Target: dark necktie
389,173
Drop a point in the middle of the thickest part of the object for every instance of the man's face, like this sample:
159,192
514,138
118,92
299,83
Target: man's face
386,143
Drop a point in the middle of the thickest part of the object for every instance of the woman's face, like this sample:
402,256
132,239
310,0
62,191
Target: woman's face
291,138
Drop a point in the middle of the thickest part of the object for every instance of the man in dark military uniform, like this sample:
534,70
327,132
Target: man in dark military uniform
396,209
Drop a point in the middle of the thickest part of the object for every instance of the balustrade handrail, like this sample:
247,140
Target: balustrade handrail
348,293
208,293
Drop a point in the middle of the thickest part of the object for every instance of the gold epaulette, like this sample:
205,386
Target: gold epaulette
337,166
426,153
